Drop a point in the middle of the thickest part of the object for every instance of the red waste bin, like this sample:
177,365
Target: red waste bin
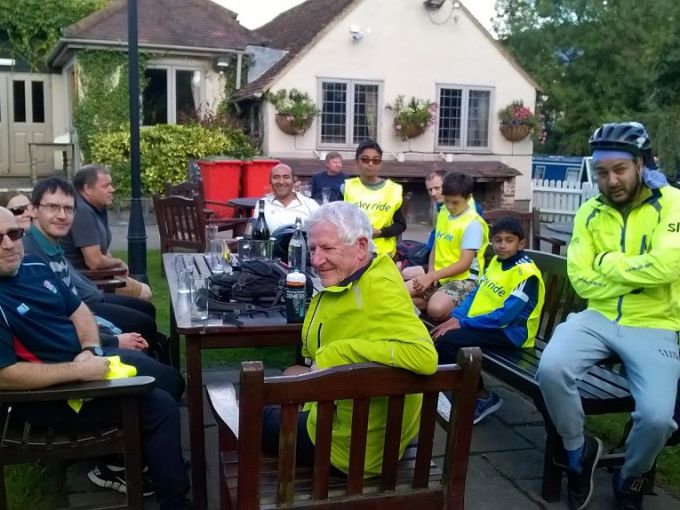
221,182
256,176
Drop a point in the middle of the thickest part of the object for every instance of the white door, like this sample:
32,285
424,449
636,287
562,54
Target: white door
4,122
29,121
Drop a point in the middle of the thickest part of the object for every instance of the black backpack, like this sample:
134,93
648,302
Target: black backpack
412,253
261,282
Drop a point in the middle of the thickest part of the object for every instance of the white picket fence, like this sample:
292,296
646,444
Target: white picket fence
559,200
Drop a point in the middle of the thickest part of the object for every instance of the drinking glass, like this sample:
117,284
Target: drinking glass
199,298
216,256
325,195
184,277
307,190
210,235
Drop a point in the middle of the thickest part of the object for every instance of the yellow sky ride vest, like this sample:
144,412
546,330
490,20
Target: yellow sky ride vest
447,238
496,285
379,205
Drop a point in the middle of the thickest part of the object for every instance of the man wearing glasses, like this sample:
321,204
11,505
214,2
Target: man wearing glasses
87,244
48,337
379,198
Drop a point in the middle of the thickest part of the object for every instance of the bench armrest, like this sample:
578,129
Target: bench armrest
224,405
555,243
103,274
94,389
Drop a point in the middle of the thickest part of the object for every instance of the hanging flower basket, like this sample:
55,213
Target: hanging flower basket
290,126
406,131
515,132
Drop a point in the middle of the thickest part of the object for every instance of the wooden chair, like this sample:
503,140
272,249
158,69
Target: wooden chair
531,223
180,223
22,442
248,481
192,189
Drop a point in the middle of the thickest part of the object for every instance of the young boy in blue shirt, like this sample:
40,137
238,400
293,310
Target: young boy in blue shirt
504,310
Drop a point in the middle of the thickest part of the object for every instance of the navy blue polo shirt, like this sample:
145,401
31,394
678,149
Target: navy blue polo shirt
35,324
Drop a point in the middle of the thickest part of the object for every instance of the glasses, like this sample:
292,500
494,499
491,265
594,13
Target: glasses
14,234
18,211
69,210
366,160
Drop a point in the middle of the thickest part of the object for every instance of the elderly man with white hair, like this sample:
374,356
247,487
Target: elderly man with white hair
364,313
283,204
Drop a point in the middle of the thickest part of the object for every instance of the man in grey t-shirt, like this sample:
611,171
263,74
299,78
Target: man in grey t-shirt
87,244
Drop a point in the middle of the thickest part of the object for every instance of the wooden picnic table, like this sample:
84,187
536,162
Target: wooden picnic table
259,329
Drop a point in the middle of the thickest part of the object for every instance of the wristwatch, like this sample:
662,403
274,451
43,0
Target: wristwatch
95,349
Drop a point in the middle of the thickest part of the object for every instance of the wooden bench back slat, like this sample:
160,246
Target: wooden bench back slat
428,416
322,448
250,445
357,449
285,489
395,415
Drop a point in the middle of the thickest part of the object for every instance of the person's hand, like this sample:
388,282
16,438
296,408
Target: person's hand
445,327
422,283
376,232
90,367
133,341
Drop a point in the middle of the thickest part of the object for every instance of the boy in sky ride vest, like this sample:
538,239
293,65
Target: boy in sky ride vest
504,311
461,236
379,198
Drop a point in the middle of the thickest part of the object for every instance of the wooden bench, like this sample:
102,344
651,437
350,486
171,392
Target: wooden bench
248,481
22,442
603,390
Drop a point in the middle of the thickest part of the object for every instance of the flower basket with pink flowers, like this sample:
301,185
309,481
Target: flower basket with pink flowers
413,118
517,121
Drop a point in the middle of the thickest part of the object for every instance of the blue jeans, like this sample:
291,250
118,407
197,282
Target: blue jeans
652,368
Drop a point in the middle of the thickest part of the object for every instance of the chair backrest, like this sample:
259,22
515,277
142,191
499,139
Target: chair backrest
180,223
528,219
560,297
359,383
185,189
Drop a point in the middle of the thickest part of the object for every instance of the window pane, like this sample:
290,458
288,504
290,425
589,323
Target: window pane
19,101
478,118
333,112
365,112
187,92
38,99
450,103
155,97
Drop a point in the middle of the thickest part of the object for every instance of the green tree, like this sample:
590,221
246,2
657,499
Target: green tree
597,61
34,26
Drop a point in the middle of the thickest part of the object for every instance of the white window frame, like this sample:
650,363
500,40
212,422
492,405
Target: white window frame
171,74
464,117
349,124
539,172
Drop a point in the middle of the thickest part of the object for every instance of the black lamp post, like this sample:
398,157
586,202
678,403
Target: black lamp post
136,230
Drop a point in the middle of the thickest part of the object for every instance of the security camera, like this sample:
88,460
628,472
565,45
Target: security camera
356,32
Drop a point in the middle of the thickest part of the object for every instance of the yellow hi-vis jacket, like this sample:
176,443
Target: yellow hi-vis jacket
628,266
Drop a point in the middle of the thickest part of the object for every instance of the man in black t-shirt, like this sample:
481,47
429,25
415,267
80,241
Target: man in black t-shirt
332,178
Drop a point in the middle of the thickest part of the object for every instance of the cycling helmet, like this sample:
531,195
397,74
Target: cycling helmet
630,137
283,236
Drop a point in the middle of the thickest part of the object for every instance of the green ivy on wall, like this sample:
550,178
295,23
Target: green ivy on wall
103,104
33,27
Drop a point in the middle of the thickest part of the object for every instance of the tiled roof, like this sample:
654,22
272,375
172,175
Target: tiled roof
293,30
183,23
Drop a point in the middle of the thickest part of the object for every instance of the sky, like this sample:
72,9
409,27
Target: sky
254,13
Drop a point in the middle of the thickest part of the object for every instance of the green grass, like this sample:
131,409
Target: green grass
34,486
610,427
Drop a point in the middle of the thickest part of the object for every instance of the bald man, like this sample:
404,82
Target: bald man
283,204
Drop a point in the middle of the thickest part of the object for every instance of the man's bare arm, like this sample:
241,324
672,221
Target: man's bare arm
86,326
95,259
32,376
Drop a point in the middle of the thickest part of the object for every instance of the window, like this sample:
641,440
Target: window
349,112
463,117
171,95
38,101
573,173
19,91
539,172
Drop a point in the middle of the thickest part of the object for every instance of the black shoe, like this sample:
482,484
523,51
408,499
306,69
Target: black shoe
629,494
580,485
113,477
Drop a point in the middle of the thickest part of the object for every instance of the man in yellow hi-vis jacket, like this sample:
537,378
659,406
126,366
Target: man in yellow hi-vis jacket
624,258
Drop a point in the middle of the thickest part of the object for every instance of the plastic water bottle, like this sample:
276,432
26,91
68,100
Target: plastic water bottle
296,297
297,249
